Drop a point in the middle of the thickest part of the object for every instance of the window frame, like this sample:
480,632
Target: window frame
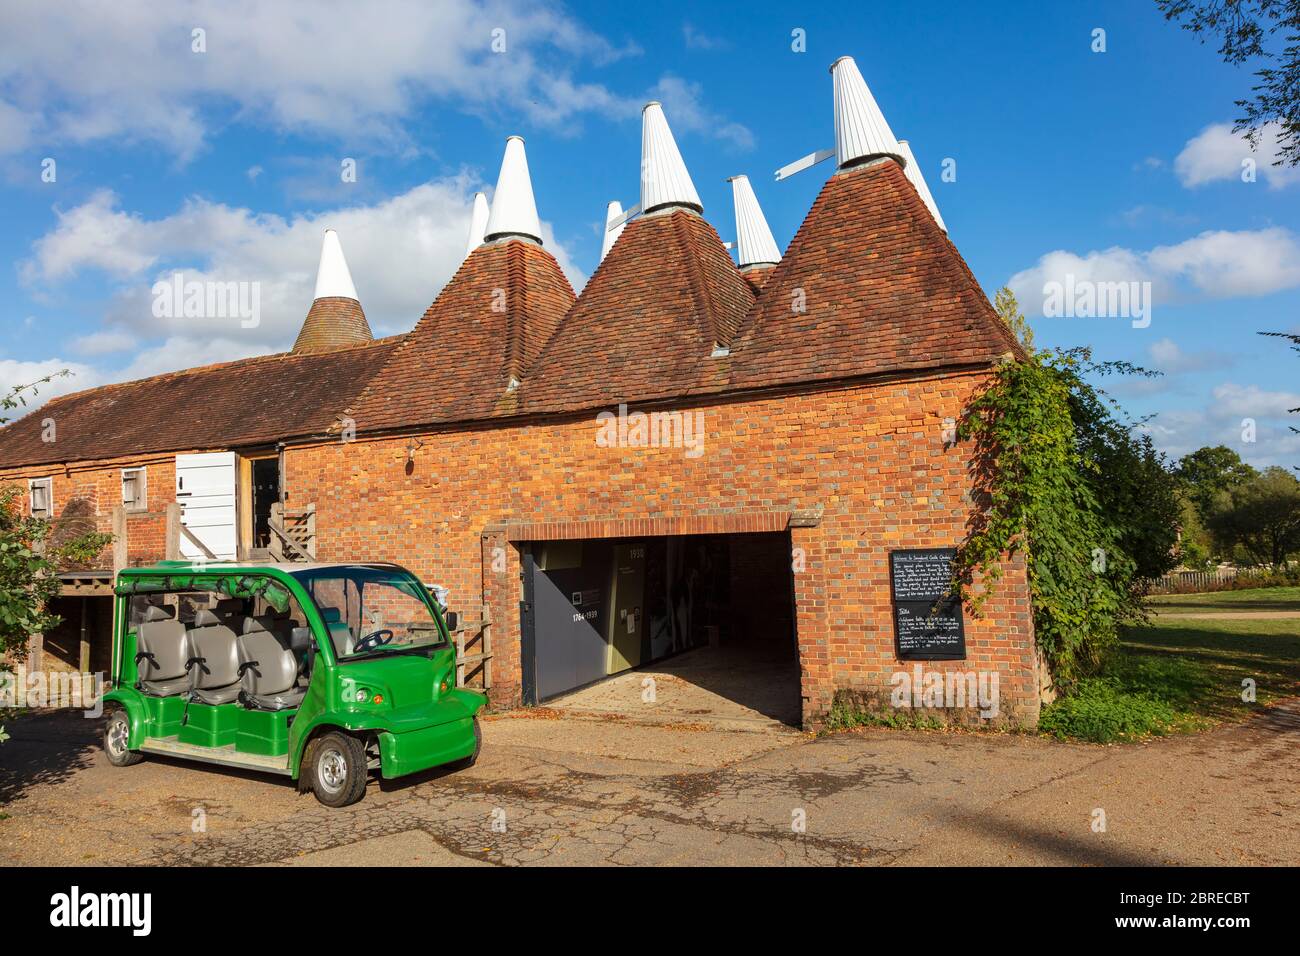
48,484
142,499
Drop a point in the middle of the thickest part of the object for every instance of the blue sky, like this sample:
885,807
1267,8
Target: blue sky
226,164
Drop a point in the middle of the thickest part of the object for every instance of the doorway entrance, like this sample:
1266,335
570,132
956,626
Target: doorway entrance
597,608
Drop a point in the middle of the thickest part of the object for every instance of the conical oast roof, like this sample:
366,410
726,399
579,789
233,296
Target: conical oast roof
664,179
514,211
336,319
861,131
332,275
754,243
610,236
477,223
917,179
880,289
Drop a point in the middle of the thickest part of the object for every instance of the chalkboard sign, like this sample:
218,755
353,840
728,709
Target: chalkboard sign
927,620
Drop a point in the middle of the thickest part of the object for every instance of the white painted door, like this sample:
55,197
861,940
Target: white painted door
205,488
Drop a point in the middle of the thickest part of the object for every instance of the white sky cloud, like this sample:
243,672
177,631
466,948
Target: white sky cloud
1217,265
401,251
126,70
1169,357
1217,153
14,373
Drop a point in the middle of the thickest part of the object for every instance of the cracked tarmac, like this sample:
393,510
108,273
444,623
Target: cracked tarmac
578,790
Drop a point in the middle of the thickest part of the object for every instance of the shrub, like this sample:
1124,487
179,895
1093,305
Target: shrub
1100,711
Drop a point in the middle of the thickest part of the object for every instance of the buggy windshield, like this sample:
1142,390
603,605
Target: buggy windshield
371,610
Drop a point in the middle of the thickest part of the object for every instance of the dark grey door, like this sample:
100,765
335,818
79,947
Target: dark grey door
569,624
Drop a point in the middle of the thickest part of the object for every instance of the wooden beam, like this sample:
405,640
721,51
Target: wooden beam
119,539
172,546
84,656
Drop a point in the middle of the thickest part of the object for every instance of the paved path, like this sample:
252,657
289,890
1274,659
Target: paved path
552,789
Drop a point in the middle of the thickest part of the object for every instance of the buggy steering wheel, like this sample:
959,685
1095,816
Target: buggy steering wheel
374,639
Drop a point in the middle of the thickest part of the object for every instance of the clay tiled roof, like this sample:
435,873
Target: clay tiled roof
248,402
884,290
333,322
487,326
648,320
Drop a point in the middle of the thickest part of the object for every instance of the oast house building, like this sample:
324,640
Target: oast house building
754,457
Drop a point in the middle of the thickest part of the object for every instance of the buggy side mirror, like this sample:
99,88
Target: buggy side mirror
452,619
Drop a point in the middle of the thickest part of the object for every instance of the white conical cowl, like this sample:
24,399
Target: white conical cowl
332,276
612,212
514,211
754,242
477,223
664,179
914,176
861,131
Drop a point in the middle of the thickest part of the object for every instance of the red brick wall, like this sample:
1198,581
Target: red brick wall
871,458
92,490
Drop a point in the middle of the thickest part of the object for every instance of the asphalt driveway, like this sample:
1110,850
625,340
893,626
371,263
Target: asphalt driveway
559,789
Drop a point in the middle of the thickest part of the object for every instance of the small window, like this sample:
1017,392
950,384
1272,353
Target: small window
42,490
134,493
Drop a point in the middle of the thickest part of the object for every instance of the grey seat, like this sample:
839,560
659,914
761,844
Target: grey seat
213,660
161,651
269,668
341,635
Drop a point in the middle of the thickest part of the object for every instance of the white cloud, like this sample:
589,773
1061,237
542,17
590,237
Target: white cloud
126,70
684,107
1226,264
1217,153
695,40
14,373
400,251
1250,401
1178,431
1214,265
1169,357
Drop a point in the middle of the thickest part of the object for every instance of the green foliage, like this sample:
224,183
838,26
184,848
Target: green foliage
1008,309
1260,518
1208,472
1091,507
846,714
1099,712
1265,33
29,558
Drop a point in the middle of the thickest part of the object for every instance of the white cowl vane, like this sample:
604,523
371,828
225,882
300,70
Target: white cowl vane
514,211
612,212
861,132
664,179
914,176
754,243
333,280
477,223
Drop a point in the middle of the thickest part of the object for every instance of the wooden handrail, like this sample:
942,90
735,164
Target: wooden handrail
285,538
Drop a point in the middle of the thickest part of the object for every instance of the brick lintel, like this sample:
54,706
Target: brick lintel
738,523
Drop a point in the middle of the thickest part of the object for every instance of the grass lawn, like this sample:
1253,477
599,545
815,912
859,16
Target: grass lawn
1184,675
1251,599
